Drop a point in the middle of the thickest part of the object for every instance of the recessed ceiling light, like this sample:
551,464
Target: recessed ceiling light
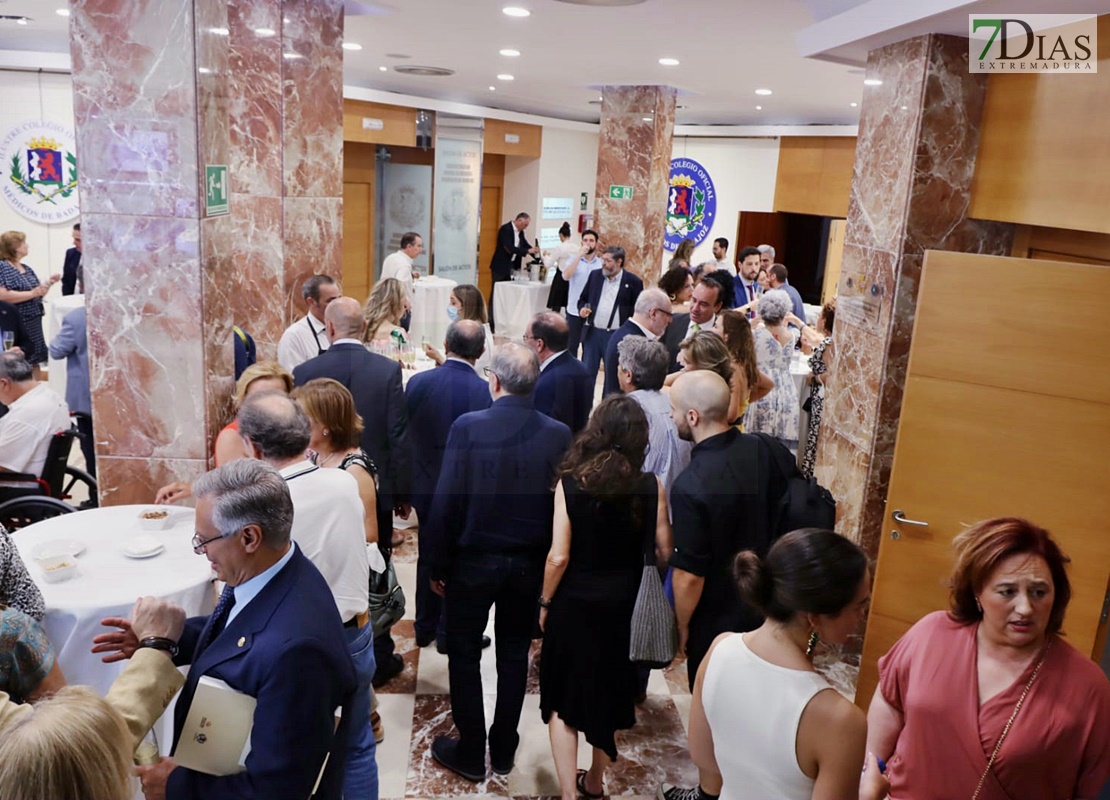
21,21
504,77
220,31
872,82
291,56
383,69
508,51
669,62
647,119
516,11
493,88
854,105
352,46
265,31
763,92
905,108
62,12
759,108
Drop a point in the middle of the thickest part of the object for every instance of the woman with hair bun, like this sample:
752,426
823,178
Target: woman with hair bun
563,256
783,731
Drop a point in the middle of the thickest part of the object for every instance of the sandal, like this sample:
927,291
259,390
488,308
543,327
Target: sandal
580,783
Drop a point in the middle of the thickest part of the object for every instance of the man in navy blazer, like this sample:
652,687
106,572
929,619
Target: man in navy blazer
435,399
73,278
490,530
375,383
275,635
606,303
565,390
651,317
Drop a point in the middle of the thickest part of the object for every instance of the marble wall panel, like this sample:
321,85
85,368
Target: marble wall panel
220,298
125,481
842,468
255,103
135,107
313,244
258,268
637,128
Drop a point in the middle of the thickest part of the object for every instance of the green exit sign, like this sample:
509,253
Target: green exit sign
620,192
216,190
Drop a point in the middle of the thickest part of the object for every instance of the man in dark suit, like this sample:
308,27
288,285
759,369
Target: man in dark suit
651,316
491,529
73,278
607,301
564,391
275,635
435,399
705,304
375,383
511,248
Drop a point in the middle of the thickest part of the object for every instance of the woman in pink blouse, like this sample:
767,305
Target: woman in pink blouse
987,701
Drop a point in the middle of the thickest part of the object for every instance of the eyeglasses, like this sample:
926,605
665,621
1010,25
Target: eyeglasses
200,544
664,311
489,372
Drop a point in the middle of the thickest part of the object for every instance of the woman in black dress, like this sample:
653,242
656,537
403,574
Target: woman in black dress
608,512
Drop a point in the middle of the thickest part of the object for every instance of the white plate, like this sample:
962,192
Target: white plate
148,554
58,547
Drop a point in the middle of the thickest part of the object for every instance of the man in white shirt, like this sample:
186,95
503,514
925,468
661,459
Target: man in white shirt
399,265
35,414
576,276
720,252
307,337
328,528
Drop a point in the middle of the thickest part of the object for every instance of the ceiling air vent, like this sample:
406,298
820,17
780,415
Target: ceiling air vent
424,72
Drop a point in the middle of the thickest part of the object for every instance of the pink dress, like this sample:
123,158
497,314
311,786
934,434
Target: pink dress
1058,747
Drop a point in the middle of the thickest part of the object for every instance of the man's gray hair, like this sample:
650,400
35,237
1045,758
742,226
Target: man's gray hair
16,368
465,338
517,367
276,424
248,492
766,248
647,361
774,306
650,299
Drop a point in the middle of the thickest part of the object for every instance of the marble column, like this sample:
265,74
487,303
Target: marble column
915,156
161,90
637,129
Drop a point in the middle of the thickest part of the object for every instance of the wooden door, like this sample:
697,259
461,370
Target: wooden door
358,269
487,236
834,254
761,227
1006,413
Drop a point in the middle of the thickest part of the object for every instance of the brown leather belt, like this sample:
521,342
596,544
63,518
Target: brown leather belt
358,621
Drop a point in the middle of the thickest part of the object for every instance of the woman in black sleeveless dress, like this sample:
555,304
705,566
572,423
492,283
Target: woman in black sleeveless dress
607,513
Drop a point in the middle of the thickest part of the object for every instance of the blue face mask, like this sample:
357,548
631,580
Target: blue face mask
453,313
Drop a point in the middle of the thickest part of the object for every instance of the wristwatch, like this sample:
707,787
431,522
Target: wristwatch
160,643
544,602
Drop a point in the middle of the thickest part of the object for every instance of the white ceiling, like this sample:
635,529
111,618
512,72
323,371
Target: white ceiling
727,49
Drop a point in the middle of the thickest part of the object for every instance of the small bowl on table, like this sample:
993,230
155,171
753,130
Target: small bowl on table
58,568
154,519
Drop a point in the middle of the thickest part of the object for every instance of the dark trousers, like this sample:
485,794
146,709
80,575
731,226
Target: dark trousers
85,431
575,338
492,288
596,341
429,605
476,583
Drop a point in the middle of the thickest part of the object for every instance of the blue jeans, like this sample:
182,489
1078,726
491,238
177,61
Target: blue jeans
360,782
593,349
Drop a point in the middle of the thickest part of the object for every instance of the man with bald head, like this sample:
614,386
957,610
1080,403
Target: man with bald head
650,317
565,389
375,383
488,536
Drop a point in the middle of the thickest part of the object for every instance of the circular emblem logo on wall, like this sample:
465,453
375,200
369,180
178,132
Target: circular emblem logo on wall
38,161
691,203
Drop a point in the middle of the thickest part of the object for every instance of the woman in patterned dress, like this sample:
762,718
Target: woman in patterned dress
19,285
817,342
777,413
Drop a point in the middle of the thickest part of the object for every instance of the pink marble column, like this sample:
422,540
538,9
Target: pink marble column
637,129
161,90
918,137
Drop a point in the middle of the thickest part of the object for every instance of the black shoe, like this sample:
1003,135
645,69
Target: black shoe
441,644
445,750
501,766
388,671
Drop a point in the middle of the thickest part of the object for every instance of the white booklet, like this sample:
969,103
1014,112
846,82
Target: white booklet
216,737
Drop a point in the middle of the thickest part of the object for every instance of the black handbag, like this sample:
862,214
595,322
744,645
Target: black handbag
387,600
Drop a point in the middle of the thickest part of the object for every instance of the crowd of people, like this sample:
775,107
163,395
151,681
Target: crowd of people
552,511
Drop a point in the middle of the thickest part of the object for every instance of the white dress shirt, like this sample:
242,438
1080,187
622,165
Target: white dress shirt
549,359
607,316
28,427
398,265
304,339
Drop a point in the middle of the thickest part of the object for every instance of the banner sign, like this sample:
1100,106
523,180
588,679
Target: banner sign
458,195
39,163
691,203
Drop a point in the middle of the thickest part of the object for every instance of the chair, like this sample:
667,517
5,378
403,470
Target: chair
26,499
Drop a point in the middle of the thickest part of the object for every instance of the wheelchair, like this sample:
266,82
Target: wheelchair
26,499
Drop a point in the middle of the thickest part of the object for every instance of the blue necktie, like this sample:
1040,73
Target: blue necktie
220,614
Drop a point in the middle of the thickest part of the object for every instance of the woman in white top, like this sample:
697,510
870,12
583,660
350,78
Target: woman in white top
466,302
785,733
564,256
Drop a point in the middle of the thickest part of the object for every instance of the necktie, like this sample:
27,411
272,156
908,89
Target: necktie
220,614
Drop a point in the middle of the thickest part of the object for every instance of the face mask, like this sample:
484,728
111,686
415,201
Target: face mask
453,313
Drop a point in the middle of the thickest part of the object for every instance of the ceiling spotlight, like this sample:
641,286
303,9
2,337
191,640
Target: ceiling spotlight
508,51
265,31
759,108
669,62
905,108
62,12
21,21
504,77
291,56
383,69
493,88
352,46
646,119
516,11
854,105
872,82
763,92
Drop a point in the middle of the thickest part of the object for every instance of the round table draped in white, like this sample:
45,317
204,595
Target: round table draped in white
514,305
429,310
107,582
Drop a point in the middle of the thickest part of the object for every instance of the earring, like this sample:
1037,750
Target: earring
978,605
812,643
327,432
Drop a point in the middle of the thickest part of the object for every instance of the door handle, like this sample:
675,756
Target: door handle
901,519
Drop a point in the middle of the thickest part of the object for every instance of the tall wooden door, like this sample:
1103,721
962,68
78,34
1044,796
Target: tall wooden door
358,245
487,236
1006,413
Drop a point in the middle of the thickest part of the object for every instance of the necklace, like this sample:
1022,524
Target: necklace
324,459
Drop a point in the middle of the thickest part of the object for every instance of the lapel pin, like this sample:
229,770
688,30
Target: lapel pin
242,640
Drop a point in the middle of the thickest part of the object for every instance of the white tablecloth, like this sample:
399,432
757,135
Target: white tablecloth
107,582
429,310
56,310
514,305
